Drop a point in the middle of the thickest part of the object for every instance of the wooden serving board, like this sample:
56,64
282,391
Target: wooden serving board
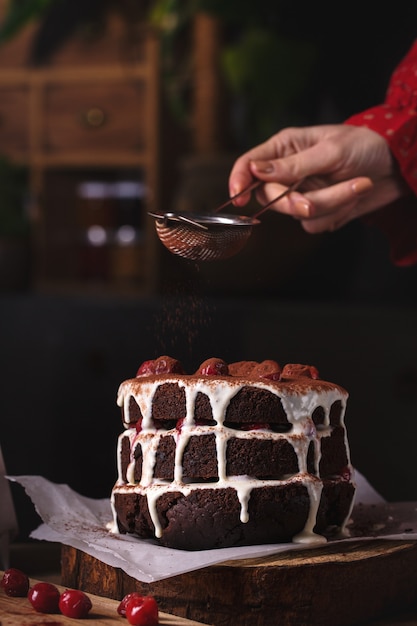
332,585
19,612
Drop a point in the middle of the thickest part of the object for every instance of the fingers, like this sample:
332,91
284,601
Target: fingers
242,173
331,199
330,223
313,160
246,170
294,204
239,181
341,204
325,209
286,170
322,155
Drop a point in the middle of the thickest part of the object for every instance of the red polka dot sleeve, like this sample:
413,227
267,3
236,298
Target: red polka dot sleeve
396,121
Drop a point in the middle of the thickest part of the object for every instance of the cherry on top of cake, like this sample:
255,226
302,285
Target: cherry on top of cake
251,370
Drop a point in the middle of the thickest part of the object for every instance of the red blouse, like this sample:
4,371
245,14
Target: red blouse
396,121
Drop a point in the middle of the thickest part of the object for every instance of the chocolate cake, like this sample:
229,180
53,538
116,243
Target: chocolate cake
231,455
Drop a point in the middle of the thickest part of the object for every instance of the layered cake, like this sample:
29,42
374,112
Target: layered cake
233,454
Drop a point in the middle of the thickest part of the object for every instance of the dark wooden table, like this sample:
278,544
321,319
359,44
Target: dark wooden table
368,584
360,582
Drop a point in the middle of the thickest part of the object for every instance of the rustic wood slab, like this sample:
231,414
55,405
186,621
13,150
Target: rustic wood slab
19,612
332,585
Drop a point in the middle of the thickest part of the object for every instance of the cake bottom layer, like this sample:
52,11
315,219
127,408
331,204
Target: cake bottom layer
211,517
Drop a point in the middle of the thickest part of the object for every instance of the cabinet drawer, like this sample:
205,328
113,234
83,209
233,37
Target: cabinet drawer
94,117
14,119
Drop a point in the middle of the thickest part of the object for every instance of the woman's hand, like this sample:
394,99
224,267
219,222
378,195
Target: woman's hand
347,171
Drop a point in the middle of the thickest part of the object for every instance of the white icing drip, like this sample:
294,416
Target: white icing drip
131,435
317,456
343,532
181,441
347,449
301,446
119,458
243,489
130,473
343,401
112,526
144,402
298,406
221,448
130,470
149,443
307,535
190,395
152,497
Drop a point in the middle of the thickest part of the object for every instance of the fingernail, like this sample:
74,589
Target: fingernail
264,167
361,186
302,208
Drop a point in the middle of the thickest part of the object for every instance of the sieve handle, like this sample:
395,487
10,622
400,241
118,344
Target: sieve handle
251,187
292,187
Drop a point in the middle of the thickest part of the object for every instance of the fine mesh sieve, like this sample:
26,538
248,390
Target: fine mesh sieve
209,237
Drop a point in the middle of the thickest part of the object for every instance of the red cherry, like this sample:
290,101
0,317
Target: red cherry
314,372
272,376
258,426
213,367
168,365
146,369
44,597
138,425
121,609
141,610
346,473
74,603
15,583
161,365
180,424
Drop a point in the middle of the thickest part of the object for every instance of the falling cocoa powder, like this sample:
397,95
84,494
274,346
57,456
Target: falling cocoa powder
184,314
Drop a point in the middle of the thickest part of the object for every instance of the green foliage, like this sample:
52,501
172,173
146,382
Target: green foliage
172,19
264,71
19,13
268,73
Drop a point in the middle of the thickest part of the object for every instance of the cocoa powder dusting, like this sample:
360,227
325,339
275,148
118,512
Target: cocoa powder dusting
183,316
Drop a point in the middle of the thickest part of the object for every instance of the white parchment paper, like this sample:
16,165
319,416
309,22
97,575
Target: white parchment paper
80,522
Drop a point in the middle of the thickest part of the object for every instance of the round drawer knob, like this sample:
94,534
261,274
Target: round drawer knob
94,117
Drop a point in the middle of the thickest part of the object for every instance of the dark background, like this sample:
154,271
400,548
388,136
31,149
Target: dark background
337,303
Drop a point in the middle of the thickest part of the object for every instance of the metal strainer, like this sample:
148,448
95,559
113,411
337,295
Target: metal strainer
209,237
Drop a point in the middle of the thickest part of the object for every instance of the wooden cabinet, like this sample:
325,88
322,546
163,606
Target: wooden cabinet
14,118
91,115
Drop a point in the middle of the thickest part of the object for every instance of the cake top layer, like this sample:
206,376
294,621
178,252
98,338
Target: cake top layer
294,377
236,391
